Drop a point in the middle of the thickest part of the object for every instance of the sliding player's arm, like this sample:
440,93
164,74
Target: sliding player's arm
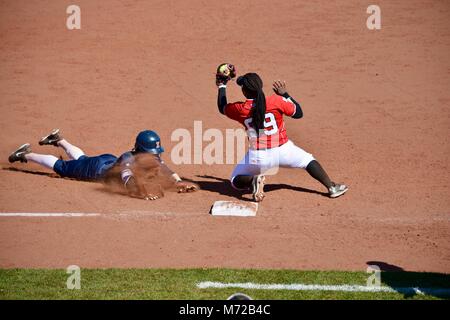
181,186
135,188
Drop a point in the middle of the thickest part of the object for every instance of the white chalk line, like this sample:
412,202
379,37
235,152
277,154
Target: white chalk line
317,287
88,214
45,214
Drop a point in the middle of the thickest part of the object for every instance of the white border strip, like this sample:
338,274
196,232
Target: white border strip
119,214
317,287
45,214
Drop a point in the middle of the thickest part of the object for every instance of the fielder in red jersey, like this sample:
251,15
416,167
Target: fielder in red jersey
269,144
274,129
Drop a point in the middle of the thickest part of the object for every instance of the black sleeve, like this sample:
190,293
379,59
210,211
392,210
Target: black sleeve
298,110
222,99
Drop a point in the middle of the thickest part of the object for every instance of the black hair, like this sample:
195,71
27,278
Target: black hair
253,84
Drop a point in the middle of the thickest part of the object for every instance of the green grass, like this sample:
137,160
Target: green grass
181,284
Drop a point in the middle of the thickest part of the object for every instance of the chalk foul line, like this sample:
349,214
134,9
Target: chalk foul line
48,214
317,287
120,214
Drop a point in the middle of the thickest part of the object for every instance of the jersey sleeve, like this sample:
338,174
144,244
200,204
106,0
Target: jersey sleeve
125,161
165,170
287,106
233,110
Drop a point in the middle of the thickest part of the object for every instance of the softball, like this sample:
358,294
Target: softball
224,70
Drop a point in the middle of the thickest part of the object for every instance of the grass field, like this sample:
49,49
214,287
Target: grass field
182,284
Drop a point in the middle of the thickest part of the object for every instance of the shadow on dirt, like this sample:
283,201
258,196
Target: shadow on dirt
218,185
214,184
412,283
39,173
223,186
279,186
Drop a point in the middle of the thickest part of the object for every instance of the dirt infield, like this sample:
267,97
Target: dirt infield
377,116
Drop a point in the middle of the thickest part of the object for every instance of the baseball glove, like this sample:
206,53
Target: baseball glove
225,72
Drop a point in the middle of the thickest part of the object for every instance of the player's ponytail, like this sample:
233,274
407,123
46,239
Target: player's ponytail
254,85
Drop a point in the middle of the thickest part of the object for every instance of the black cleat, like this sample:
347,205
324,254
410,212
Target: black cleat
19,154
51,139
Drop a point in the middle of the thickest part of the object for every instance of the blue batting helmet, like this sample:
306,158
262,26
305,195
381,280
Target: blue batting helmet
148,141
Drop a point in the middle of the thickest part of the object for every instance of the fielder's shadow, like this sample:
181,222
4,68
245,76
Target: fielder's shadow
223,186
279,186
430,283
218,185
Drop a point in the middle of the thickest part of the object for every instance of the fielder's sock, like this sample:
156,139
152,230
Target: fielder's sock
317,172
243,182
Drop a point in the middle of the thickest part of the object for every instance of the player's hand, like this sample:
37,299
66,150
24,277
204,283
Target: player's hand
225,72
279,87
151,197
185,187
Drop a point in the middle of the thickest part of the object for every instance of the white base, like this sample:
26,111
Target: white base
234,208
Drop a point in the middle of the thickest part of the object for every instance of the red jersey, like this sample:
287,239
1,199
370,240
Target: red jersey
274,130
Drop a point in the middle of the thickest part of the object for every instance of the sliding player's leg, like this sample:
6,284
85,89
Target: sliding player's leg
24,154
72,151
55,139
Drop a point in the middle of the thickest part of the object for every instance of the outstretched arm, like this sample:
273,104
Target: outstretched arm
222,98
181,186
280,88
225,72
134,189
133,184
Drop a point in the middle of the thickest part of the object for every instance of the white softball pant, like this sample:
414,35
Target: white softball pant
267,161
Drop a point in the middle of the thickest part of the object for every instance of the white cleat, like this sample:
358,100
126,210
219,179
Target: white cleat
258,188
337,190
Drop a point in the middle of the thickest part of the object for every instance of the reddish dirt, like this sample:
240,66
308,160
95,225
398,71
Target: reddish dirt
377,116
